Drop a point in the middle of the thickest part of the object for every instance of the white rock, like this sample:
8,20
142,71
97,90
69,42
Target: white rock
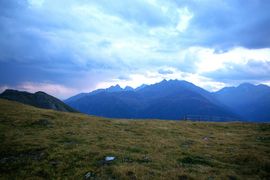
88,175
109,158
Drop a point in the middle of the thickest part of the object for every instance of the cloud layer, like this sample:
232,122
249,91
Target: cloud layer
81,45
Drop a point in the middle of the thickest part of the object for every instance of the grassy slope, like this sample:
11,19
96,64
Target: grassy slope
48,144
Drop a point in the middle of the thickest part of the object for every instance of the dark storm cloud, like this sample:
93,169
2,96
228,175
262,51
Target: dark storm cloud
230,23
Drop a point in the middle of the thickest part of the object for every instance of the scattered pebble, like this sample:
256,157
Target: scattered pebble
146,159
70,133
88,175
54,162
205,139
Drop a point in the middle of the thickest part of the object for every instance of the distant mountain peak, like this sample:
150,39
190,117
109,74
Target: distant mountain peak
141,87
173,81
41,92
128,88
164,80
246,85
115,88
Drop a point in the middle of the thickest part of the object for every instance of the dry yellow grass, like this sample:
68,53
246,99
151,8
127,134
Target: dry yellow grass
45,144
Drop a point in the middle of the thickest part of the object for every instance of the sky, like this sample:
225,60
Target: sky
65,47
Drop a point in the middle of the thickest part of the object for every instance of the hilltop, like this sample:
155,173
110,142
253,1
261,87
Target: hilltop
38,99
46,144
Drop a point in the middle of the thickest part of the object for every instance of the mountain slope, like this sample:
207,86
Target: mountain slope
165,100
45,144
38,99
250,101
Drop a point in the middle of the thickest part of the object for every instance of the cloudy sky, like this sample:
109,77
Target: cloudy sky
64,47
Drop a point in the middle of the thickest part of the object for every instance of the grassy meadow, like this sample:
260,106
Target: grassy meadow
46,144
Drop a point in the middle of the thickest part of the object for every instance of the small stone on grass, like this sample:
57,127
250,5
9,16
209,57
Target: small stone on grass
109,158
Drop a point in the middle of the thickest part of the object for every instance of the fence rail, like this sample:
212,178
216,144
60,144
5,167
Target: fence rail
208,118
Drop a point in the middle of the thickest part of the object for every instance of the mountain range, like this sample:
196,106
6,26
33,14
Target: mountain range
38,99
249,101
171,99
175,100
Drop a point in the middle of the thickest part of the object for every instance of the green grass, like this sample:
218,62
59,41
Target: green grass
46,144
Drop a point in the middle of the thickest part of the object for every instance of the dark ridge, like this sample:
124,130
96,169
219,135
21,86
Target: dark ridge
39,99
